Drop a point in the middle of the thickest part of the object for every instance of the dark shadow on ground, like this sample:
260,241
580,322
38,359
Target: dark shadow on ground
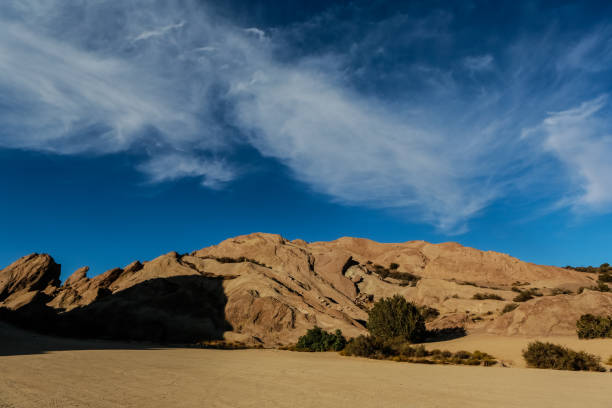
163,311
449,333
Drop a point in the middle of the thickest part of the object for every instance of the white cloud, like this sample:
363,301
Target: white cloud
583,142
58,96
260,34
158,32
439,152
355,152
173,166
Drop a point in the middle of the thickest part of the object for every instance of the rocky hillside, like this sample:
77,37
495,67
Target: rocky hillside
264,289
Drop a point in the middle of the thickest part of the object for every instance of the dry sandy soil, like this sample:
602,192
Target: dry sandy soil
37,371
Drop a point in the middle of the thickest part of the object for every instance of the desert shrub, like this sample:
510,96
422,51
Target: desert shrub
420,351
397,349
391,272
525,295
462,355
605,277
395,317
509,307
561,291
483,296
381,271
227,259
429,313
367,346
603,268
522,297
225,345
590,326
404,276
549,355
317,339
601,287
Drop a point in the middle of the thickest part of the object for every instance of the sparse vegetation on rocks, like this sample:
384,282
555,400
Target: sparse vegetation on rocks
525,295
603,268
601,287
484,296
226,259
604,272
557,357
392,273
590,326
509,307
560,291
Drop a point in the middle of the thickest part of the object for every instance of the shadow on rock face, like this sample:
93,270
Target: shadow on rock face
180,309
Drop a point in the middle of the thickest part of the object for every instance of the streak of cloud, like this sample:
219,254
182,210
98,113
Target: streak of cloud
352,121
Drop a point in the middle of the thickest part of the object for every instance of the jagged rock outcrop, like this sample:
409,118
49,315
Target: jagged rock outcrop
262,288
27,278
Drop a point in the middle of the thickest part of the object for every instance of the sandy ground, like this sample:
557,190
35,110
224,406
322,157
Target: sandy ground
39,372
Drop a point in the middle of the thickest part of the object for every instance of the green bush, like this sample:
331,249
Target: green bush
462,355
317,339
367,346
483,296
396,318
549,355
509,307
591,327
398,350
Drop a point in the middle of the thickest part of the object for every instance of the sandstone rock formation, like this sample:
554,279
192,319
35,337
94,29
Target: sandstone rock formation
264,289
28,278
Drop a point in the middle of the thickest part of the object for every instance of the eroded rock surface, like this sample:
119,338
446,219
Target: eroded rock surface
264,289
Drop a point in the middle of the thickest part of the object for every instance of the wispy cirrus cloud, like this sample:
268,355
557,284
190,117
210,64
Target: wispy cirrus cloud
158,32
581,139
381,117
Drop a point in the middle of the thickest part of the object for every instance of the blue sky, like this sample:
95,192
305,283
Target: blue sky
130,129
